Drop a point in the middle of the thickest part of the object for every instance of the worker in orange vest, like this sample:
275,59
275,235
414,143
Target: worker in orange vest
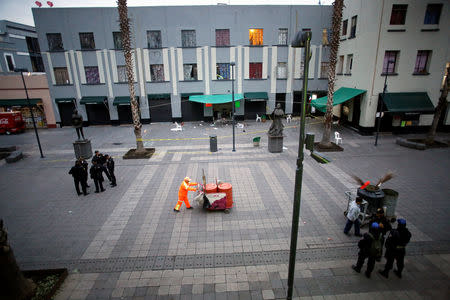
185,186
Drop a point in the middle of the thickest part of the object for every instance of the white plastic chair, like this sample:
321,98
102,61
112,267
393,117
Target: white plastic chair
288,118
337,138
258,118
177,128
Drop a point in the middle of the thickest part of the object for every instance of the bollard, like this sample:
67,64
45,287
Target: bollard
213,143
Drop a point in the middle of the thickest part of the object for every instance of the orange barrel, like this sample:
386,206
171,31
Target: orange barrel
227,189
210,188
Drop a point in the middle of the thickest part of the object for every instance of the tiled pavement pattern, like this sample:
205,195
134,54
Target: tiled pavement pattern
127,243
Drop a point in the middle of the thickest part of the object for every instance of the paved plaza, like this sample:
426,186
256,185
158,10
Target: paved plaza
128,243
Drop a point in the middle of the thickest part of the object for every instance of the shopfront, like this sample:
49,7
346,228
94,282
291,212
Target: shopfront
96,109
255,104
65,108
160,107
22,106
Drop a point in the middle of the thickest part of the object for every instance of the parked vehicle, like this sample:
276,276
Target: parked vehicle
11,122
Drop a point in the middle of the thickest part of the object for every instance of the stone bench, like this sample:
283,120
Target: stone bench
405,143
14,156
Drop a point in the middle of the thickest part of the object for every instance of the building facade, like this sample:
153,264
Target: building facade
402,42
180,51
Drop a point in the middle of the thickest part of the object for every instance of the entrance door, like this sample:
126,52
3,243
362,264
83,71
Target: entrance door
65,113
160,110
124,112
254,107
98,114
191,111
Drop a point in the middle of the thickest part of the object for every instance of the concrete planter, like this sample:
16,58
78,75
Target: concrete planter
275,144
83,149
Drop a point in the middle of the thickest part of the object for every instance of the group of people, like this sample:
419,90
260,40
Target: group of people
372,242
100,164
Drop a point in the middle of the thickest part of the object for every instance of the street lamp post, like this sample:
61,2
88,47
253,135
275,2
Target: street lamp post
31,109
301,40
380,103
232,64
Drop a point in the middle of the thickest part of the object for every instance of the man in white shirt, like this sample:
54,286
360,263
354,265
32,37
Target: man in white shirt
352,217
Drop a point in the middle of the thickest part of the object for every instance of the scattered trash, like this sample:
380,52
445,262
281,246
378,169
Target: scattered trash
329,239
70,211
285,148
195,127
75,271
304,222
145,130
215,128
200,124
240,125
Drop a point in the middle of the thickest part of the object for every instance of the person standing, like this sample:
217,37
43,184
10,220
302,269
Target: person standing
85,166
77,173
353,217
383,222
395,248
96,175
110,167
185,187
369,247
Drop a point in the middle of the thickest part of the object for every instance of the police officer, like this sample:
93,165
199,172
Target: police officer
85,166
96,175
77,173
369,247
395,248
101,161
110,167
383,223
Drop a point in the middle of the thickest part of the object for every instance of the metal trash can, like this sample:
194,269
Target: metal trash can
390,202
213,143
309,141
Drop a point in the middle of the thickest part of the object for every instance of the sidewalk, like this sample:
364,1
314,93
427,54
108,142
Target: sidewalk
127,243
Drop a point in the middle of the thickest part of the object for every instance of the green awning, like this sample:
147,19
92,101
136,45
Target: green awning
215,99
122,100
64,100
93,100
256,96
19,102
158,96
190,94
408,102
340,96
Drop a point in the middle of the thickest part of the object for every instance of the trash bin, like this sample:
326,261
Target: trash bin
390,201
309,141
213,143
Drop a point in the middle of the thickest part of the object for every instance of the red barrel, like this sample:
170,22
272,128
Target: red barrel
227,189
210,188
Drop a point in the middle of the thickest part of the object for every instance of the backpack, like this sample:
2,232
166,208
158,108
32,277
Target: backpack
376,247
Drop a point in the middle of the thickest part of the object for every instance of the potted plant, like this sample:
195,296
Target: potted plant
263,118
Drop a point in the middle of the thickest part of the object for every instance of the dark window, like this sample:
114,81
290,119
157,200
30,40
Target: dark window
398,14
255,70
223,71
87,41
157,72
390,62
61,76
188,38
33,45
122,74
349,64
10,62
222,37
118,42
154,39
344,27
92,75
190,71
55,42
36,63
353,29
340,66
433,14
422,62
256,36
282,36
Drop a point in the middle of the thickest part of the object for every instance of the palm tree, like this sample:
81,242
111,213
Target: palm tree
442,103
125,30
338,6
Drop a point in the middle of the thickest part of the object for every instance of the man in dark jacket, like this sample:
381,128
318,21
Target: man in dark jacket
96,175
395,248
77,173
369,247
110,167
85,166
383,223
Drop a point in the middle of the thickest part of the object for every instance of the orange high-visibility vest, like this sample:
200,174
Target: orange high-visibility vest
184,188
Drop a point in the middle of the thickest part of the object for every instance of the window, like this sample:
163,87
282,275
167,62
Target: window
353,29
282,36
33,45
325,37
118,42
222,37
282,70
55,42
348,69
398,14
10,62
390,61
223,71
122,74
87,41
344,27
255,70
157,72
432,14
340,66
154,39
188,38
92,75
324,69
255,36
36,63
422,62
190,71
61,76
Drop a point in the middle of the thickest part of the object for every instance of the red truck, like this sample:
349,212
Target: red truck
11,122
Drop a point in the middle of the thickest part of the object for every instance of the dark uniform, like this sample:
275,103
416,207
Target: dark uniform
85,166
369,247
77,173
96,175
383,223
110,167
395,248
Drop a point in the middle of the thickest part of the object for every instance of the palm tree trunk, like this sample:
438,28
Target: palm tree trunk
125,29
338,6
442,103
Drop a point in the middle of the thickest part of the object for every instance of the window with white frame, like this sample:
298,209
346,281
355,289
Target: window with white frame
223,71
282,36
340,66
390,62
61,76
190,71
422,62
398,14
324,66
353,28
349,65
433,14
92,75
282,70
122,73
188,38
157,72
9,59
344,27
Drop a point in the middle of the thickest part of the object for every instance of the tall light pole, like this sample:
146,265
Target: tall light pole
301,40
380,103
30,108
232,65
